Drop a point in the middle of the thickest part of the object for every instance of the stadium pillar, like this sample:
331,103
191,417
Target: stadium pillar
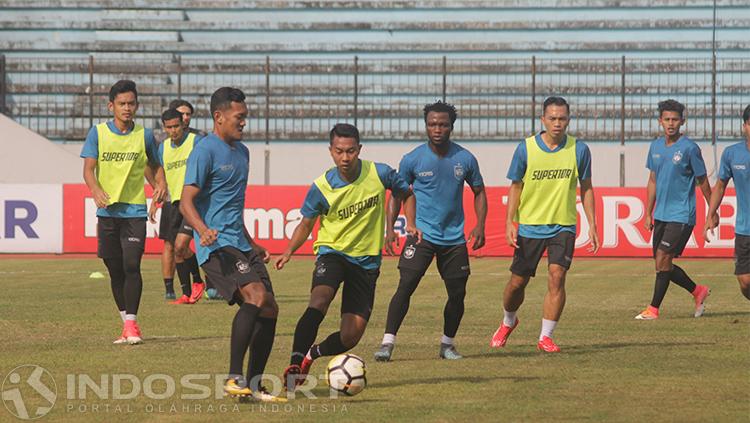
91,90
622,123
267,151
533,94
3,86
356,88
445,77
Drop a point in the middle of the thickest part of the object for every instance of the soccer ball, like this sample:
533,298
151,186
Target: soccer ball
346,374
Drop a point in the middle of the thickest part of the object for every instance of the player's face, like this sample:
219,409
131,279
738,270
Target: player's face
186,115
345,152
124,107
670,123
231,121
746,128
174,129
555,120
438,127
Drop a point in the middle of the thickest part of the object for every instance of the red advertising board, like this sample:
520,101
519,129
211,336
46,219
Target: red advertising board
272,213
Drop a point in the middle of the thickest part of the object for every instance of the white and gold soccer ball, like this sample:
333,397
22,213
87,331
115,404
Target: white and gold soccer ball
346,373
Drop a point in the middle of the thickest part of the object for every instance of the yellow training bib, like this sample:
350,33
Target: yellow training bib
175,159
121,163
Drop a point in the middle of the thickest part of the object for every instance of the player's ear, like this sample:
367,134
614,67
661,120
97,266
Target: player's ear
111,106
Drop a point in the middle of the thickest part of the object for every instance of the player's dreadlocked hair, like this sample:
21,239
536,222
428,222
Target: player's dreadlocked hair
441,107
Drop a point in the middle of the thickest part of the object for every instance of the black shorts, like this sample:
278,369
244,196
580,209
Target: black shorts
230,269
741,254
358,295
671,237
172,223
530,250
120,236
452,260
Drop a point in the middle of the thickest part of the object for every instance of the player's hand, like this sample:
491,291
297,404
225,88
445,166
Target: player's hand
101,198
391,237
511,234
262,253
281,261
152,212
160,192
594,237
712,221
414,232
649,223
477,234
208,237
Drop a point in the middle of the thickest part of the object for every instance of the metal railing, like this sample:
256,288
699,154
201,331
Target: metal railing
293,100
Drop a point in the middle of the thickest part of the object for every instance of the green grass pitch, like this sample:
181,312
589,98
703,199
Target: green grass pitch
612,367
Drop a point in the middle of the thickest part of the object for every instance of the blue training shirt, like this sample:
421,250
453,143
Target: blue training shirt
735,164
438,184
676,168
90,150
315,204
220,172
517,171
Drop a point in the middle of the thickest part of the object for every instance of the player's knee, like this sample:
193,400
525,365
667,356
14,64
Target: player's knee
350,337
131,265
745,286
456,289
181,252
518,282
408,282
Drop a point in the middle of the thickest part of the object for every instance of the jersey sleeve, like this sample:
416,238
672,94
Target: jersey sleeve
473,175
392,180
583,158
650,165
152,148
198,168
725,169
315,204
90,148
160,153
696,161
517,168
406,169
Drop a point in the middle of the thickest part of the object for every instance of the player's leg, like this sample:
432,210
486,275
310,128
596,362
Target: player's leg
265,330
239,284
681,233
327,276
133,243
414,261
167,253
110,251
525,260
560,256
357,300
663,267
742,263
185,258
453,265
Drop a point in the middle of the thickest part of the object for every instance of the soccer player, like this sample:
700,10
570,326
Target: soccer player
186,110
173,154
544,171
349,199
437,171
735,164
116,154
675,164
213,203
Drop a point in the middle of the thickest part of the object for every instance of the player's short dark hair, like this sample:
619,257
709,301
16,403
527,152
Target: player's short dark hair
556,101
224,97
746,114
671,106
170,114
441,107
122,86
174,104
343,130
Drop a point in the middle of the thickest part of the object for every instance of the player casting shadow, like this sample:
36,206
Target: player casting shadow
593,348
465,379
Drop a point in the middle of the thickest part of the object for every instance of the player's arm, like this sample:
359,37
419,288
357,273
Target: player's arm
190,214
391,215
712,218
704,186
159,182
514,199
300,235
101,198
650,200
480,209
589,208
260,250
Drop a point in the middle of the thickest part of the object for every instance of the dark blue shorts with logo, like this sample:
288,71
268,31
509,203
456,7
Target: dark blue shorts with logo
230,269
